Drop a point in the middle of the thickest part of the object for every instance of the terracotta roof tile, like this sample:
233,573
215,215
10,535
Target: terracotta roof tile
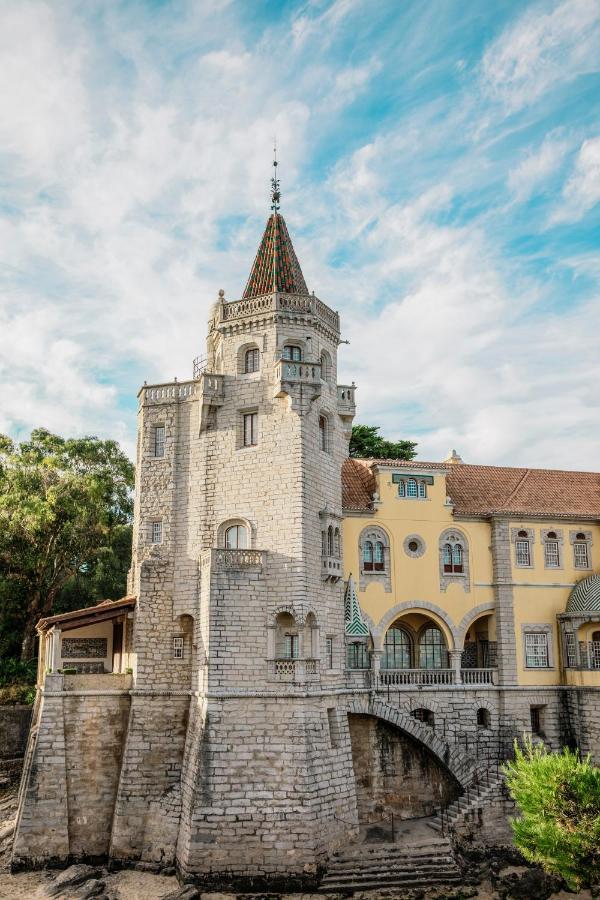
358,484
276,266
489,490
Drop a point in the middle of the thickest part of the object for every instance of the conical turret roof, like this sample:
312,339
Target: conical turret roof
276,267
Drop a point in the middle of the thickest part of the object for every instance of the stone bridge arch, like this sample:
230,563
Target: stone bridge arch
458,766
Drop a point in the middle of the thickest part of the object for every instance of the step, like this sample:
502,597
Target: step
389,866
391,855
331,887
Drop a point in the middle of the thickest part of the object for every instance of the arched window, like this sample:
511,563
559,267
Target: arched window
323,442
411,488
292,353
483,717
581,551
325,366
422,489
432,649
330,541
523,549
453,562
378,557
397,649
402,489
252,360
367,556
236,537
336,543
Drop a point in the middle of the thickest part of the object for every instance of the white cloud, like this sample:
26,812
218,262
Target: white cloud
529,176
582,189
542,50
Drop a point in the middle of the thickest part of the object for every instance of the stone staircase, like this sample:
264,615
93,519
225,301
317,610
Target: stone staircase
474,797
407,865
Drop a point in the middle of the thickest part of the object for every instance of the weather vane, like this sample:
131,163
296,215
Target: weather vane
275,192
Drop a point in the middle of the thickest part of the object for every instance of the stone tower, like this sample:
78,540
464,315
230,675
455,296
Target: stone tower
235,750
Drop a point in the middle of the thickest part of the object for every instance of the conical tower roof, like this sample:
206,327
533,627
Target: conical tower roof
276,267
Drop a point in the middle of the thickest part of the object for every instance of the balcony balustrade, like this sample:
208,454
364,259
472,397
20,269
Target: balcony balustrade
293,670
410,677
295,304
477,676
345,399
238,560
331,568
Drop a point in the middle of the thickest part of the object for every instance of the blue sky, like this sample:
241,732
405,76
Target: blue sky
440,169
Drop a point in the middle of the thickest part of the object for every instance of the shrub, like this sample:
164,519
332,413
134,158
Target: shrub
558,796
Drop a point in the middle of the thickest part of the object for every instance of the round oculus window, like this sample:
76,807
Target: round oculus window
414,545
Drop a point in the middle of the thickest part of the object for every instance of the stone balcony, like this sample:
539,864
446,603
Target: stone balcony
289,375
154,394
408,678
331,568
226,560
297,671
346,402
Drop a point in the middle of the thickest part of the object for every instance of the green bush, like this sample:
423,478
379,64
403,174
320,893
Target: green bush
14,671
558,797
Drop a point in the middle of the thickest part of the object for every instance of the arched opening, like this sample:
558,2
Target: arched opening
236,537
424,715
418,643
397,649
480,648
433,653
252,360
326,368
394,773
484,717
287,637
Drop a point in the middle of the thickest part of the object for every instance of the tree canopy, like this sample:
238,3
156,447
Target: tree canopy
65,532
558,796
367,443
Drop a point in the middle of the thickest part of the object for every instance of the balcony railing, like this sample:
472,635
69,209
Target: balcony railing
477,676
589,656
331,568
175,390
297,670
302,304
232,560
345,398
307,372
400,677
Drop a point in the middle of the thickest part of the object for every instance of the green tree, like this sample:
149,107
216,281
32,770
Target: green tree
367,443
558,796
65,509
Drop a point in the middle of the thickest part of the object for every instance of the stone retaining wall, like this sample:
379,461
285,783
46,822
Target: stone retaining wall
14,728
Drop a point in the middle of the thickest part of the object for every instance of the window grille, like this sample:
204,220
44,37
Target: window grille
582,559
250,429
367,556
551,558
422,489
432,649
378,559
159,440
397,649
357,656
411,488
157,532
177,648
236,537
536,650
329,652
570,649
402,489
523,553
292,353
252,360
594,654
291,646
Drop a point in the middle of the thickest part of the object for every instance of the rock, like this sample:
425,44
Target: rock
532,883
7,830
186,892
71,877
92,888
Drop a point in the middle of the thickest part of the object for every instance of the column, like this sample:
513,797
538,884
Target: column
455,664
375,667
55,656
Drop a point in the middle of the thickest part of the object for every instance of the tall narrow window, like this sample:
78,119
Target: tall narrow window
457,558
250,429
236,537
523,549
252,360
324,543
291,646
422,489
292,353
177,648
378,557
447,556
159,440
551,554
411,488
336,543
402,489
581,552
432,649
570,649
357,656
323,433
397,649
329,652
156,533
330,541
368,556
536,650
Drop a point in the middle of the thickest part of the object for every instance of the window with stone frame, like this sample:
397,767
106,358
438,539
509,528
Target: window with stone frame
292,353
357,655
329,652
252,360
412,487
236,537
291,646
323,434
522,539
374,550
250,429
454,559
178,646
159,440
581,541
156,532
536,650
552,544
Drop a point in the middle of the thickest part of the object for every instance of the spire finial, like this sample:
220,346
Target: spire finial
275,192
